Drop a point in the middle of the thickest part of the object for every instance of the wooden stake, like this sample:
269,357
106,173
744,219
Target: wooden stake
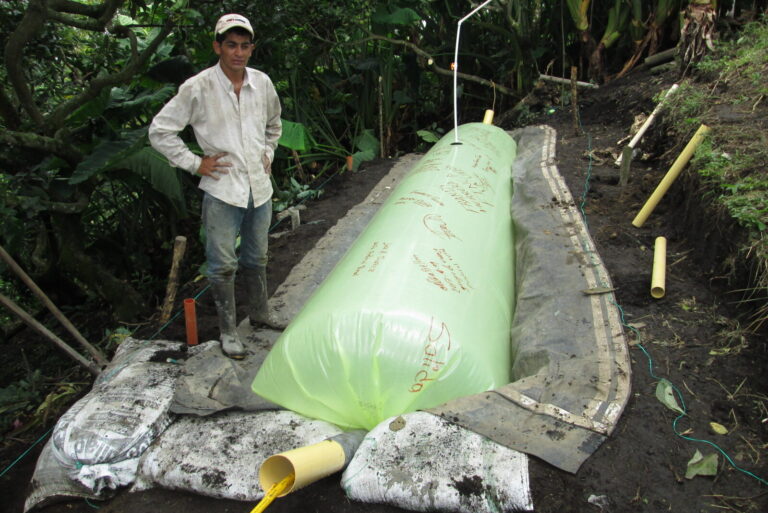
575,100
24,316
95,353
179,247
626,161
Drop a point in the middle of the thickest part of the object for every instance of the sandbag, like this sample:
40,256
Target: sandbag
51,482
220,455
100,438
421,462
419,309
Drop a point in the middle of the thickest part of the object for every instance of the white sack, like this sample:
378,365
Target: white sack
220,455
100,438
420,462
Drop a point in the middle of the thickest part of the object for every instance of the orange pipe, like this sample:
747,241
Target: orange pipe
191,320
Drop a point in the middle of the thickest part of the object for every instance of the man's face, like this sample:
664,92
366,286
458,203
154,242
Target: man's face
234,52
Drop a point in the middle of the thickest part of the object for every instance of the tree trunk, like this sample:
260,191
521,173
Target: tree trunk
86,271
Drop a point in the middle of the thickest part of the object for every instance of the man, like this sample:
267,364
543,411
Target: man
234,112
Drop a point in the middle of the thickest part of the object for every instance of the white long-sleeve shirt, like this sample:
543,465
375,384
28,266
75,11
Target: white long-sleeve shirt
245,128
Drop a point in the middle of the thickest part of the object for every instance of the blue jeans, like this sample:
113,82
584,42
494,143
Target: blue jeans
223,223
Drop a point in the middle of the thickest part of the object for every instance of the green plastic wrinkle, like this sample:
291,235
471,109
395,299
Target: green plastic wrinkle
418,311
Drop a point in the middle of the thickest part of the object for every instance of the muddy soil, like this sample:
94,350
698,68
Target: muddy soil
693,337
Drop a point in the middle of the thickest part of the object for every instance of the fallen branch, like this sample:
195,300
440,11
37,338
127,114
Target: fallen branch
8,259
430,61
566,81
13,307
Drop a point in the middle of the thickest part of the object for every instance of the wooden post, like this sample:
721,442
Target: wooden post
179,247
382,144
95,353
575,100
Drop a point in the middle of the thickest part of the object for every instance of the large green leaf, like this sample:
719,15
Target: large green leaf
366,141
404,17
154,167
294,136
368,145
90,109
107,153
120,98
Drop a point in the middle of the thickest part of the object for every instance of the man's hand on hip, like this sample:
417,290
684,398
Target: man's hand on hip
267,164
210,166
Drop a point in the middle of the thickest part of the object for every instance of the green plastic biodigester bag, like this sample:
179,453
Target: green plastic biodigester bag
419,309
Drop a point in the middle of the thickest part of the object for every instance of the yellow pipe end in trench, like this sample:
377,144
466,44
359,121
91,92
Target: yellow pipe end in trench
659,274
670,177
307,464
488,117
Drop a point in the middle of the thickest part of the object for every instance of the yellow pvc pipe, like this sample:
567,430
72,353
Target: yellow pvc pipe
659,274
670,177
488,117
307,464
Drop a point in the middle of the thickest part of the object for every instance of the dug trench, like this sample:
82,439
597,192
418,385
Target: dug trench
694,336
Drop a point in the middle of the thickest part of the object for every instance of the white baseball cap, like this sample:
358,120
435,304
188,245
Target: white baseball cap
229,21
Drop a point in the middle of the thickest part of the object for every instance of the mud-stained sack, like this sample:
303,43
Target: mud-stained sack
421,462
419,310
51,482
100,438
220,455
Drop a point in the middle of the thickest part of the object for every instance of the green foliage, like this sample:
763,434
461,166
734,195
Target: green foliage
731,161
687,106
294,136
293,193
741,191
20,397
747,57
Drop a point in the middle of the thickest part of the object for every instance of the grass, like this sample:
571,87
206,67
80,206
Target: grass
728,92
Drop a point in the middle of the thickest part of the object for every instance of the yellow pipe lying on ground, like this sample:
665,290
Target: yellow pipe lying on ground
670,177
309,464
659,274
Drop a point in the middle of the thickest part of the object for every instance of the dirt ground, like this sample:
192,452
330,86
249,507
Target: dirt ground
693,337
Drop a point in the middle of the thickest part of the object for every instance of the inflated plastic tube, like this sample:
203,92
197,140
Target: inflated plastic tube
418,311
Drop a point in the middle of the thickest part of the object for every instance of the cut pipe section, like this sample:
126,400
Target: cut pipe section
659,274
488,117
311,463
670,177
190,319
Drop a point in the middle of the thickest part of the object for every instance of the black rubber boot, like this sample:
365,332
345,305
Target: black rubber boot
224,297
258,310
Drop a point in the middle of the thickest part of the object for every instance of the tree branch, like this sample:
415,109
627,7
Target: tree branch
41,143
29,27
96,18
92,11
63,207
431,63
57,117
